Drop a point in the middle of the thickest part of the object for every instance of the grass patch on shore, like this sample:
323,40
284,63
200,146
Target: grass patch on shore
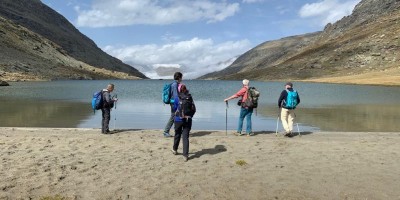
56,197
241,162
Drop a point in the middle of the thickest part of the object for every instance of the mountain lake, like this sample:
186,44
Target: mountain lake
323,107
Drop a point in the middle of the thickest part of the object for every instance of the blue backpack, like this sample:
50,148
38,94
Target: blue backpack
291,99
97,101
166,93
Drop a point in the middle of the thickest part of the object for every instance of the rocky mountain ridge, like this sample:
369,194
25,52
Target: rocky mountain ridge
362,45
37,43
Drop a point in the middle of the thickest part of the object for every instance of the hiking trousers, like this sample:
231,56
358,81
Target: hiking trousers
245,113
170,122
287,118
106,115
182,129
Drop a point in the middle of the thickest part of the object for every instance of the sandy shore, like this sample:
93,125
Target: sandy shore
138,164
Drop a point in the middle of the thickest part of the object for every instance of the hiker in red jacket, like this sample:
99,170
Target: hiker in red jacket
245,112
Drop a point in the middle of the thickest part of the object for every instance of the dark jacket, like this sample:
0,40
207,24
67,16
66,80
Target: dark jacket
107,101
282,98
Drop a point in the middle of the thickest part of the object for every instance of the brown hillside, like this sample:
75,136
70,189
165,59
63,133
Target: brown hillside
42,20
25,55
365,44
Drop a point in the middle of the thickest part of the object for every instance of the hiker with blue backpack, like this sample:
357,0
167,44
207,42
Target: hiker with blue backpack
288,100
170,92
107,104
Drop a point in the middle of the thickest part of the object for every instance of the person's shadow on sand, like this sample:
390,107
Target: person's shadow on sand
213,151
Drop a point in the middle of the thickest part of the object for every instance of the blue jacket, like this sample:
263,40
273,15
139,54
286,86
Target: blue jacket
176,107
174,90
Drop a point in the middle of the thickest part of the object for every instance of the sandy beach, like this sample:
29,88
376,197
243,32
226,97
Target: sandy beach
57,163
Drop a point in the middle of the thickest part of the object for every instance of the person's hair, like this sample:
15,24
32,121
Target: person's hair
109,86
289,84
246,82
183,89
177,76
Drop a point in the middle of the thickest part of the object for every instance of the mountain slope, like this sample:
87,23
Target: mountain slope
265,54
42,20
25,55
366,42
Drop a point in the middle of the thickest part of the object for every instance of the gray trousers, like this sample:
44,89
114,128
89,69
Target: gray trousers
170,122
105,121
182,129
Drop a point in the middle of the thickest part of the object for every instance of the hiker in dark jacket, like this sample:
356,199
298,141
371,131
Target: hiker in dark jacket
183,120
287,112
174,88
108,103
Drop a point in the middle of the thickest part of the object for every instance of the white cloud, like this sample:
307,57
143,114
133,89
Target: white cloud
328,11
128,12
196,56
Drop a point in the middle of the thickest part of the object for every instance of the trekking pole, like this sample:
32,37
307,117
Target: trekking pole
115,107
226,118
297,124
277,123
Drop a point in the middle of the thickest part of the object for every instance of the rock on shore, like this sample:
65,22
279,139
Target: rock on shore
3,83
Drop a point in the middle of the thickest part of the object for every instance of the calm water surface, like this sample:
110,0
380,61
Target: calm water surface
327,107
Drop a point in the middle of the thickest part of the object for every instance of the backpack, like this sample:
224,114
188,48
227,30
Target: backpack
252,98
186,105
291,99
166,93
97,100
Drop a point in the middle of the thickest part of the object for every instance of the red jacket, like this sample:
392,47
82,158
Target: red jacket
242,93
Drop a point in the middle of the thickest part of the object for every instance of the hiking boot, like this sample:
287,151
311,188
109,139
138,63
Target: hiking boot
185,158
174,152
288,134
167,135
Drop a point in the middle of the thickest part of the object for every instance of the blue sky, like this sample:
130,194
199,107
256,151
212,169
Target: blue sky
196,36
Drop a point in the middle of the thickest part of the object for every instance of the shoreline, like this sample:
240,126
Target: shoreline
81,163
345,80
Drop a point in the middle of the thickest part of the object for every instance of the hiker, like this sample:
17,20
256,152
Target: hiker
108,103
174,90
288,100
184,110
245,111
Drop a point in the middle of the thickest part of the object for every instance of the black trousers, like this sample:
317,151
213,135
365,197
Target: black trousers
106,115
182,129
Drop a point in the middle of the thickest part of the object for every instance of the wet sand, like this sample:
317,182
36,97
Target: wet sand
138,164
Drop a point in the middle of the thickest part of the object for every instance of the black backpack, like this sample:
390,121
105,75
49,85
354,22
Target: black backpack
186,105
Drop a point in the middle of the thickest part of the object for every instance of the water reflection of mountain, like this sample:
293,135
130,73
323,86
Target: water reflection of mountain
375,118
28,113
